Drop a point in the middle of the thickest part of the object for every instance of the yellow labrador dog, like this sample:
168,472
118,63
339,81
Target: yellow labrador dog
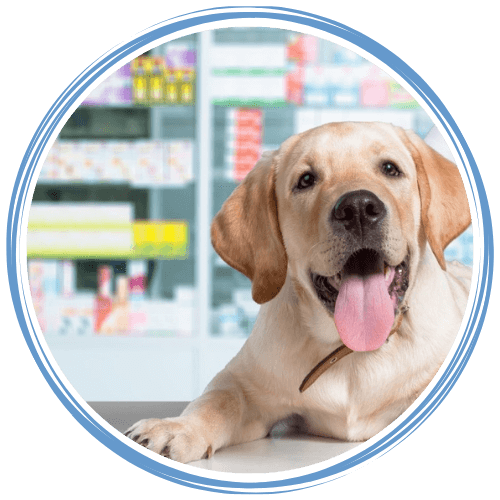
342,232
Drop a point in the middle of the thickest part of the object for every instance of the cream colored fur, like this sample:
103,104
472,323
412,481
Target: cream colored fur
365,391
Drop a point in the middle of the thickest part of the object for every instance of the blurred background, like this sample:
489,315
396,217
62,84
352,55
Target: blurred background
134,303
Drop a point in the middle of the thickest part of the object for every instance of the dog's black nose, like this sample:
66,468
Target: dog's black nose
359,211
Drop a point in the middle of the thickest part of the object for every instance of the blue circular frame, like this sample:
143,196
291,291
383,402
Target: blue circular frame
25,176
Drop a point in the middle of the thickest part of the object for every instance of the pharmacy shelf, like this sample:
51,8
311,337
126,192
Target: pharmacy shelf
139,240
117,368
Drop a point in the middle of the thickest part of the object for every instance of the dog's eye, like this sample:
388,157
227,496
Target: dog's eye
390,169
306,180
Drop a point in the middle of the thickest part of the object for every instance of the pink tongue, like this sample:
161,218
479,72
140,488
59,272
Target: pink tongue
364,311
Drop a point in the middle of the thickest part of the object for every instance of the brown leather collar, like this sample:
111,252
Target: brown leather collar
339,353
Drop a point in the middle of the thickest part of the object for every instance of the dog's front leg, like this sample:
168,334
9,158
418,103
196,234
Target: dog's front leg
223,415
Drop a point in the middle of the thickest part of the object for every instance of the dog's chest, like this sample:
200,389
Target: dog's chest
353,408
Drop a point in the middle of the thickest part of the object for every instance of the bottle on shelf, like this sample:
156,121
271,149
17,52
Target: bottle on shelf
121,306
103,303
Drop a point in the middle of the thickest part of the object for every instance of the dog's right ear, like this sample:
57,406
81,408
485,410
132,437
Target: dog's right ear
445,209
246,232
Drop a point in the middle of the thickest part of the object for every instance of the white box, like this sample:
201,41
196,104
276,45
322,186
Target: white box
93,160
48,213
248,56
71,161
178,167
249,87
50,169
148,168
120,161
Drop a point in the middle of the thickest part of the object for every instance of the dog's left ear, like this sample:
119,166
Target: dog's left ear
445,209
246,232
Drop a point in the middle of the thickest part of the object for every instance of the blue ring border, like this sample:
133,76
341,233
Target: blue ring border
78,87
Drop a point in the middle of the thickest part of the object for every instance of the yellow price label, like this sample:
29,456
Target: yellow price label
167,239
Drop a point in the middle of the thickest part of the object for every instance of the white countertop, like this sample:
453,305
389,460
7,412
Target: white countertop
283,450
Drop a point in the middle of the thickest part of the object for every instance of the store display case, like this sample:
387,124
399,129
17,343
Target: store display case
132,299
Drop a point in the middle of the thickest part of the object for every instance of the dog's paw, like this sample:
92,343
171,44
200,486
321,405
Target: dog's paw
173,438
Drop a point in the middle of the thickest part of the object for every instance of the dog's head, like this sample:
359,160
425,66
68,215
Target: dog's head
345,209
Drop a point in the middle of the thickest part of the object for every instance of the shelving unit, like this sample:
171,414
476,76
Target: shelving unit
138,368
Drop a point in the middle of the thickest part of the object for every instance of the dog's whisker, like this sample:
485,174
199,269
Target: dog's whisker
329,244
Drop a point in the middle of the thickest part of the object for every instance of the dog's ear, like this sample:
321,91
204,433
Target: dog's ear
246,232
445,209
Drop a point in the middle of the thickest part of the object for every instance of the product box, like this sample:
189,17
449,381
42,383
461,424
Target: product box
327,52
71,160
165,239
99,96
50,169
294,80
167,319
400,98
161,318
93,160
116,321
156,88
103,302
345,56
249,89
374,90
137,271
36,278
152,318
50,278
116,89
374,93
302,49
58,313
178,163
122,86
168,79
179,55
120,160
171,86
344,89
137,319
67,277
316,91
344,96
248,56
72,316
187,87
243,140
121,157
140,69
148,163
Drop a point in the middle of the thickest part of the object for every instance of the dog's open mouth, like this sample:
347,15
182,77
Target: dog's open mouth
364,298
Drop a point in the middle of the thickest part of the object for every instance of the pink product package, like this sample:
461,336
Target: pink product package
180,57
116,89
